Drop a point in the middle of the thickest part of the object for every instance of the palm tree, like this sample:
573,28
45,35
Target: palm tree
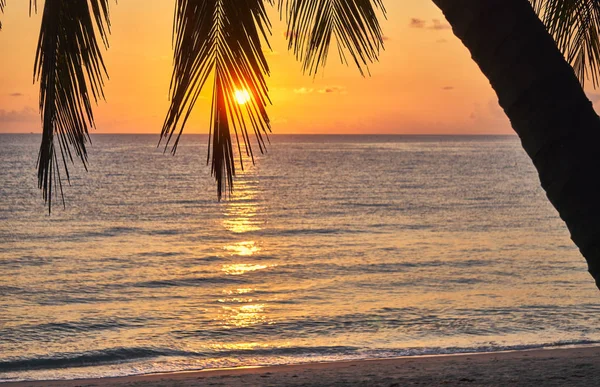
538,80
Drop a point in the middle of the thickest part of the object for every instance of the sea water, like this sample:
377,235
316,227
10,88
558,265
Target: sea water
329,248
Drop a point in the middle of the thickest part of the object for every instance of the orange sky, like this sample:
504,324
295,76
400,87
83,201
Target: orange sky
425,81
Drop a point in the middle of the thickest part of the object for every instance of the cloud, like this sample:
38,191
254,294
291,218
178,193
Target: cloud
435,24
290,34
303,90
279,120
385,38
324,90
594,97
333,89
16,94
26,114
441,41
448,88
489,111
438,25
417,23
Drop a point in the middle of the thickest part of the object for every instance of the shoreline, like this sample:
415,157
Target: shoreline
573,366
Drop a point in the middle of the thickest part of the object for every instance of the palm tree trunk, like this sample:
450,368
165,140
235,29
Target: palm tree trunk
546,105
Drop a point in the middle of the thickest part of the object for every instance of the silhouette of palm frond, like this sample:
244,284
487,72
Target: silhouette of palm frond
71,71
224,38
575,25
352,24
220,38
2,5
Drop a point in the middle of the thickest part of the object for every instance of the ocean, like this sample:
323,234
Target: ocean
330,248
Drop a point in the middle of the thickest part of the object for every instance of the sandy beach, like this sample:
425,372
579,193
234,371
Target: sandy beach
552,367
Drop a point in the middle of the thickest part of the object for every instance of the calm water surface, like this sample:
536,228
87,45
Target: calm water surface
330,248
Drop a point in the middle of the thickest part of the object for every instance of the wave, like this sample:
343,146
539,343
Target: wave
266,356
402,323
91,358
188,282
123,355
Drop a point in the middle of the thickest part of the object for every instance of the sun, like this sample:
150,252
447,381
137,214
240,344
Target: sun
242,96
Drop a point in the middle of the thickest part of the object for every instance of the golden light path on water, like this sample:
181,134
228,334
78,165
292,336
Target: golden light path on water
243,248
240,217
241,211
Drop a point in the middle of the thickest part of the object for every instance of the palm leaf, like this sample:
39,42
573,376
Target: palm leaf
220,38
313,24
223,38
575,25
2,5
70,69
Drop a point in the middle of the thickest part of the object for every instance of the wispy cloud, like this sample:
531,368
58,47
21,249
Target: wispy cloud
324,90
489,111
26,114
594,97
448,88
436,24
417,23
303,90
16,94
333,89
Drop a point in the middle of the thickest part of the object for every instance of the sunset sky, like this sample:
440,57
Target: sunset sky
425,82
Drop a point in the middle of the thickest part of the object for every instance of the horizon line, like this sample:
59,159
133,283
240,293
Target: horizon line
297,134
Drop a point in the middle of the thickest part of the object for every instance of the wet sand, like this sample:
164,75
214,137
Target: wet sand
551,367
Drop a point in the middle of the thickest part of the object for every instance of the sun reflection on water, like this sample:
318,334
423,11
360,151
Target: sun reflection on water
242,268
238,291
241,211
241,215
241,218
239,346
244,316
243,248
235,299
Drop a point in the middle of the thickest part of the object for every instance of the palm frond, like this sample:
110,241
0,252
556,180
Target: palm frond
313,24
222,38
2,5
575,25
70,69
